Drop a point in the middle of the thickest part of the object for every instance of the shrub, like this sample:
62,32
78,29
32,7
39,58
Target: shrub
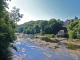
49,40
72,46
52,35
49,35
58,35
66,35
71,34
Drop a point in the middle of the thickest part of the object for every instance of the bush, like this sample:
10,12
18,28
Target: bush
71,34
72,46
58,35
52,35
66,35
49,35
49,40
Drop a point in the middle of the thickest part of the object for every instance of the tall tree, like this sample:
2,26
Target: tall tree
15,14
78,30
7,32
74,29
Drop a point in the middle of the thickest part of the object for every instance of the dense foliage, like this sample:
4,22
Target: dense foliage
7,31
51,26
41,26
74,29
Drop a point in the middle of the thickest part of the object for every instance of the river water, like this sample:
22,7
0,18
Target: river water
29,51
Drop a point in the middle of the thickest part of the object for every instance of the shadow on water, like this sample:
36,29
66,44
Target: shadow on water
72,46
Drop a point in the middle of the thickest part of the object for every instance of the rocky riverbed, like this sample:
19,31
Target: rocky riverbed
28,47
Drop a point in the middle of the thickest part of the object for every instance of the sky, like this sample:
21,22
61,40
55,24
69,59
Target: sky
46,9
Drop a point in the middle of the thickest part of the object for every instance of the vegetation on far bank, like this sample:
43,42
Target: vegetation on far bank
41,26
50,28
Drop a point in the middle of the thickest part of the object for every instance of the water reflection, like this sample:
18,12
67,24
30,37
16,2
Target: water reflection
72,46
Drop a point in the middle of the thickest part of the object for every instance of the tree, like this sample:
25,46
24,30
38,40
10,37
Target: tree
78,30
36,28
74,29
42,26
71,34
15,14
7,32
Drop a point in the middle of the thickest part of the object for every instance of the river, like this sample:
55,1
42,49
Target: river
29,51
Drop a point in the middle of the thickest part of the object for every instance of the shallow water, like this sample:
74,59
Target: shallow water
72,46
30,51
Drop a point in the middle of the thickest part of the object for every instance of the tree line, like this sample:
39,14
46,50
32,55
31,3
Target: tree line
41,26
52,26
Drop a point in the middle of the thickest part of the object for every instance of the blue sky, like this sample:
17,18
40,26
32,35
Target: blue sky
46,9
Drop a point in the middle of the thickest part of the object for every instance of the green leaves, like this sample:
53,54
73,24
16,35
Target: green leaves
12,46
41,26
7,30
74,29
15,14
